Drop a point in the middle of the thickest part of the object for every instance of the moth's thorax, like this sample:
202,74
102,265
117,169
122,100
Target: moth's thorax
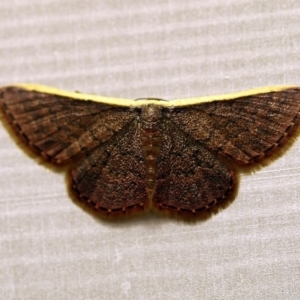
151,116
151,140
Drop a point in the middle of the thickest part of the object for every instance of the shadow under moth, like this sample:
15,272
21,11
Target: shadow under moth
126,156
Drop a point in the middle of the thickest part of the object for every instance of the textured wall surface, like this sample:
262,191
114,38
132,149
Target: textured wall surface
52,249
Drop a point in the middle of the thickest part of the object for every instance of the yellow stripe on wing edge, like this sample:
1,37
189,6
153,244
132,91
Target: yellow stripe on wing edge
231,96
134,103
74,95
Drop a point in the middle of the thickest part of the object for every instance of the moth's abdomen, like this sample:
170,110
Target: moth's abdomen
151,141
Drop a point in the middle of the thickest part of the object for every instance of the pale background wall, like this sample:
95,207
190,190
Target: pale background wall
51,249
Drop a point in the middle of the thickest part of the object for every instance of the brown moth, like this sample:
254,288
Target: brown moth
174,156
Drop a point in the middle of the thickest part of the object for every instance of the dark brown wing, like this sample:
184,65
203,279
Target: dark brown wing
59,128
190,179
245,129
112,178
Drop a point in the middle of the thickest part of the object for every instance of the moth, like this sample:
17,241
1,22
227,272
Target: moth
127,156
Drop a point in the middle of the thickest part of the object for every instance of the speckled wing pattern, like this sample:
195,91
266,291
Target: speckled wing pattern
200,140
114,152
189,178
57,128
112,179
110,175
244,129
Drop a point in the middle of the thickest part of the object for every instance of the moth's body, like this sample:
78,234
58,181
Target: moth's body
150,122
132,155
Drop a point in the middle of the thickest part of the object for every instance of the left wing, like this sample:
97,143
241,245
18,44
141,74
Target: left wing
57,126
112,179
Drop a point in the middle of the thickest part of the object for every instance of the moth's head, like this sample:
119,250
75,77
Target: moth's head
150,100
150,103
151,112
